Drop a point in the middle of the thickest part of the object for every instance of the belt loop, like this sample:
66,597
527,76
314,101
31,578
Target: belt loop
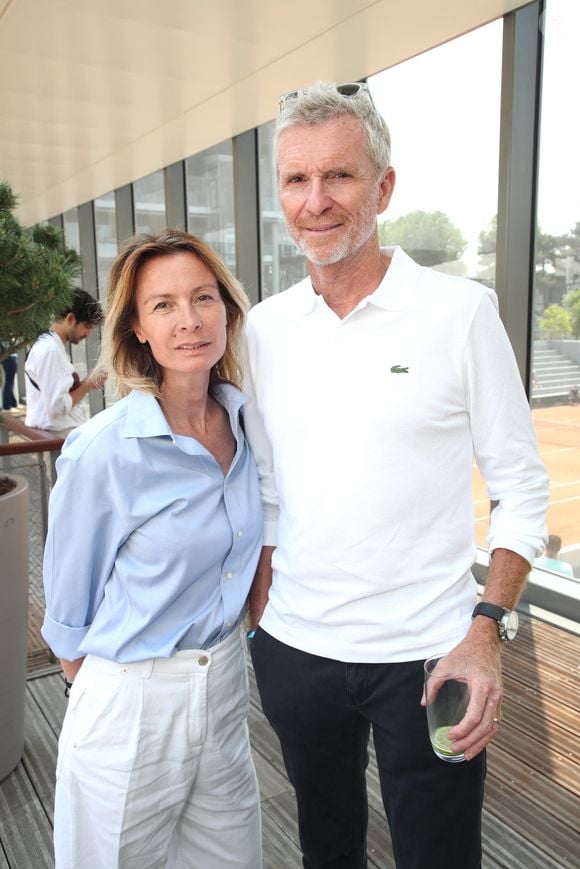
149,669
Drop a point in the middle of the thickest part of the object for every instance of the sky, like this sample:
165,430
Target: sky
559,187
443,108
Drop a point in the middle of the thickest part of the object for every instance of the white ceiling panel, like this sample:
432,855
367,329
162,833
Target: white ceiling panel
97,93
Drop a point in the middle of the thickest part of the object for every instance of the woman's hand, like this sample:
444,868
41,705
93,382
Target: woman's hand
71,668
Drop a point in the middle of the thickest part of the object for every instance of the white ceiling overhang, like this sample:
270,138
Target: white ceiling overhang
97,93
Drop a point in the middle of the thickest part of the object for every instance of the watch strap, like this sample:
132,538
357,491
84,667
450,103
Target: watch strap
490,610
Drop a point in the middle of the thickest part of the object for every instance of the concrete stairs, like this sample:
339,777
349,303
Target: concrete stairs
554,374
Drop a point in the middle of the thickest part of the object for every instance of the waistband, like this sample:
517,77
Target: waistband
181,663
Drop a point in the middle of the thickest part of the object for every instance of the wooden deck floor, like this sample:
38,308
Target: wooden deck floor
532,809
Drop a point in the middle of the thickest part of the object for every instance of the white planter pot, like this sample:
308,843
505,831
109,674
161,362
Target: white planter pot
13,621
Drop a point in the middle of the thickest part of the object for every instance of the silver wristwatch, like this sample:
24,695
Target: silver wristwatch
507,620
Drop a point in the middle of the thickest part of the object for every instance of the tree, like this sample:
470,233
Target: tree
488,238
571,302
37,274
429,237
555,322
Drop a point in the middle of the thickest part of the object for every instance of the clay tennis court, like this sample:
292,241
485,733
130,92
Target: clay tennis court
558,431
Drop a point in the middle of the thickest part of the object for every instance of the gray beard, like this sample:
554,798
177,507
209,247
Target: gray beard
343,249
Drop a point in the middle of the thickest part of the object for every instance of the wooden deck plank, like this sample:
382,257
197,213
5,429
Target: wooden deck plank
280,851
552,752
39,758
507,848
552,721
551,798
543,830
25,831
48,692
272,782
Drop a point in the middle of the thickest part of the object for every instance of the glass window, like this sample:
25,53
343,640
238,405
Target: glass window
149,203
72,238
282,263
443,110
556,315
106,238
210,200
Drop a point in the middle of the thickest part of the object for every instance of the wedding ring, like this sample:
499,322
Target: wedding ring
495,720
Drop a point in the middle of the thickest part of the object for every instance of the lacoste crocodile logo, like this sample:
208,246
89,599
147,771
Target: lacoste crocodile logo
399,369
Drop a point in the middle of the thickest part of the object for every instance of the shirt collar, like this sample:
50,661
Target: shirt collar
399,282
392,294
145,419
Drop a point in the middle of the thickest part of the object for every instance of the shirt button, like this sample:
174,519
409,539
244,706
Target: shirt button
240,534
229,624
229,575
203,660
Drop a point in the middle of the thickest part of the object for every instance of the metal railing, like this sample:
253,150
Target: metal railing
44,448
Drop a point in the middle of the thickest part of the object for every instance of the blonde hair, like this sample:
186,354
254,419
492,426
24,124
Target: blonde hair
130,364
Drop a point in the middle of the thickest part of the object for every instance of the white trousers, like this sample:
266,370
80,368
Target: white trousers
154,766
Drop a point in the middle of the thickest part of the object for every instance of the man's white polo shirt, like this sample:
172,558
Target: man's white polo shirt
364,430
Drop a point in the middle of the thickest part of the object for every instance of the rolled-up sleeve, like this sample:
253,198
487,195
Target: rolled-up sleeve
84,534
504,439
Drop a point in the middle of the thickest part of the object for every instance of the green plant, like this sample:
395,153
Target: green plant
571,302
555,322
37,276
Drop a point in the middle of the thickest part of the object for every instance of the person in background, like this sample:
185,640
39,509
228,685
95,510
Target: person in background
551,557
54,390
371,384
10,366
154,536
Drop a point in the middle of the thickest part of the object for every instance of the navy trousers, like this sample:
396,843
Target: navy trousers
322,711
10,366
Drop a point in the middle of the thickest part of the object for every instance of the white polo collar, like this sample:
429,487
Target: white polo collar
393,293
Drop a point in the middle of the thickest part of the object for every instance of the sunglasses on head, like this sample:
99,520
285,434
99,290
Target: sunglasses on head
347,89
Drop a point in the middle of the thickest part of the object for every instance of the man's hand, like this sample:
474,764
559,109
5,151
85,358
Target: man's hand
97,381
480,652
83,387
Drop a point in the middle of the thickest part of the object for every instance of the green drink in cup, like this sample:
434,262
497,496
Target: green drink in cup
447,696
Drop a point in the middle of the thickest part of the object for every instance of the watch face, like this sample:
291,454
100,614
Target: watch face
511,623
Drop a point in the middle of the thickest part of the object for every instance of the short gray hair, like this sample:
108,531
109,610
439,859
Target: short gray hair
322,102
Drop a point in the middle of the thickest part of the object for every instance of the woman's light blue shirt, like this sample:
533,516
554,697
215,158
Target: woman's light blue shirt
149,549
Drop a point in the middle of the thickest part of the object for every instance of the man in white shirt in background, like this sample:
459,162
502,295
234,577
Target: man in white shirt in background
53,388
372,384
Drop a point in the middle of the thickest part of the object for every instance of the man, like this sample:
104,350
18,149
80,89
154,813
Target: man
53,387
10,366
551,559
372,383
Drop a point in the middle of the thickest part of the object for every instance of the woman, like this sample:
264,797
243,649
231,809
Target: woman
154,535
